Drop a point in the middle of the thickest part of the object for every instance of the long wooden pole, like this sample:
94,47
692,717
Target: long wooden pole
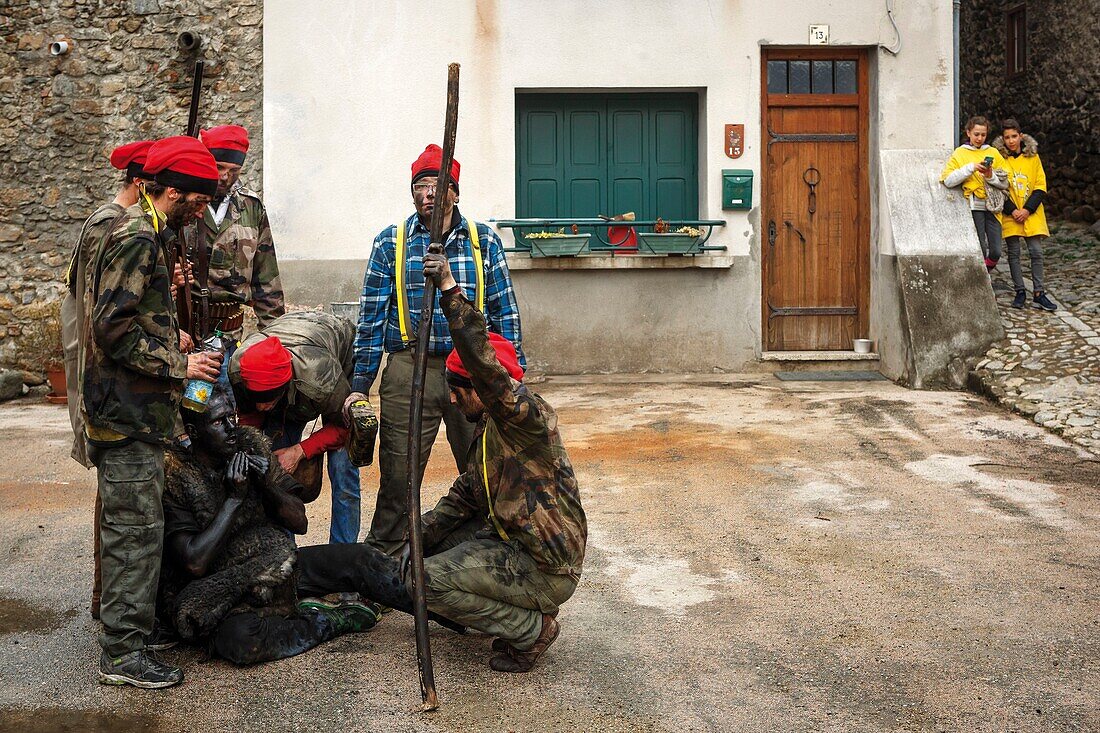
416,408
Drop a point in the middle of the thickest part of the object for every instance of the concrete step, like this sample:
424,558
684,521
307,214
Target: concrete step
799,361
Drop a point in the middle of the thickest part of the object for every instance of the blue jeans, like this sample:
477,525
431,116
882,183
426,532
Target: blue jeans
342,475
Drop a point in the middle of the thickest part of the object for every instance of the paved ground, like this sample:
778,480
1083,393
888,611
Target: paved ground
763,556
1048,367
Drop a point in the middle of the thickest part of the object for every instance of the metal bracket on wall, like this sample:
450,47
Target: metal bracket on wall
813,137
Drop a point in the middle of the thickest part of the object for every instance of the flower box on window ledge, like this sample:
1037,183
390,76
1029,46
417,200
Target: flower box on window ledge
671,243
556,244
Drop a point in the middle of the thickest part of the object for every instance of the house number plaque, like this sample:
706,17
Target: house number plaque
735,140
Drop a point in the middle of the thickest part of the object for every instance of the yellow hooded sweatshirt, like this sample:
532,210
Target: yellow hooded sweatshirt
967,155
1025,177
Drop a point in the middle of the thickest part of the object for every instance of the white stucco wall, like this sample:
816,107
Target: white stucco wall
353,91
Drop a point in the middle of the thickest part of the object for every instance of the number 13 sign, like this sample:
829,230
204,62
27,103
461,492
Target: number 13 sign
735,140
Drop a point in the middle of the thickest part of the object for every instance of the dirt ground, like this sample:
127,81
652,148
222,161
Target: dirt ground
763,555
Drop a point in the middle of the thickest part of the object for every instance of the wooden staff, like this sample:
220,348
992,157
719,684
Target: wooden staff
416,408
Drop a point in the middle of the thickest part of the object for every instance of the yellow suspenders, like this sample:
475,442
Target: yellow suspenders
485,480
403,319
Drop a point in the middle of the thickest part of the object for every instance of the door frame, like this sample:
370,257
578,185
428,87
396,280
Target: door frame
861,100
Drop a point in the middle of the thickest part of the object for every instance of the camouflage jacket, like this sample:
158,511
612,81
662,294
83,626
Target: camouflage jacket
243,267
320,347
73,318
517,461
133,368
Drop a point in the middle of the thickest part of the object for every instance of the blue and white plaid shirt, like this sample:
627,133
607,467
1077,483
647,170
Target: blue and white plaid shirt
378,320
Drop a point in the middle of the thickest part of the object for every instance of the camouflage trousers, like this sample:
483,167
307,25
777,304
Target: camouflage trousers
493,586
389,525
485,584
131,534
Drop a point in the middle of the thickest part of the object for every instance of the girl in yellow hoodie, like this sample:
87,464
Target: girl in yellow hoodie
967,167
1023,217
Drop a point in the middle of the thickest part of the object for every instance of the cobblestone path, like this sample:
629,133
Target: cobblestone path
1048,367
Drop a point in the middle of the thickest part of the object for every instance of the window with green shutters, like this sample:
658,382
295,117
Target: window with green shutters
579,155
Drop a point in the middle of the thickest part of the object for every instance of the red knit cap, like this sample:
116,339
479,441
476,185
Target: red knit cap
506,355
131,158
429,162
266,365
227,143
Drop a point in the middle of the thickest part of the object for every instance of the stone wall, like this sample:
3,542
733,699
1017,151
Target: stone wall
123,79
1057,99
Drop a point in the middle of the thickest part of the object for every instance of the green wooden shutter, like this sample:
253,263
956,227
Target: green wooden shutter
578,155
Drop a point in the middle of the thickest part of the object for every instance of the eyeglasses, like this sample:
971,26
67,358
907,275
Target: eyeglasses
425,187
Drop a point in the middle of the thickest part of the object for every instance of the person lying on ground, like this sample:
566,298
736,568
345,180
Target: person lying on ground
505,547
228,573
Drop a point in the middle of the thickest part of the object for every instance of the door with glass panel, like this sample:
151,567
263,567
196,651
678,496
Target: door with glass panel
815,263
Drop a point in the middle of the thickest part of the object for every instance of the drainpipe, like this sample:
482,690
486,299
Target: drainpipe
955,7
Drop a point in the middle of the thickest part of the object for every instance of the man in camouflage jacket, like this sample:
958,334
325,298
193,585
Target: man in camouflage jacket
291,372
133,378
506,576
242,267
505,547
129,159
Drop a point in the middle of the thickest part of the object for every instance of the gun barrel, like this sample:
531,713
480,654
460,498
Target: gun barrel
196,92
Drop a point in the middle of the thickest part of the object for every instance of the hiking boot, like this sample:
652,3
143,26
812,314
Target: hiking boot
347,616
990,265
514,660
163,637
139,669
1042,301
1020,300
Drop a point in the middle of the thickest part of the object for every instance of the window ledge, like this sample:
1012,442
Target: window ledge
518,261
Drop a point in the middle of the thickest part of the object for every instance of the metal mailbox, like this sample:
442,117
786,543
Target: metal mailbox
736,189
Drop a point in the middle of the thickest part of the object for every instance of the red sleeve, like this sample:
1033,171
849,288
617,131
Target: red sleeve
330,437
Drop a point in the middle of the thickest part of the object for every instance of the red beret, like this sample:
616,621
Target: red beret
228,143
266,365
131,158
506,355
428,164
183,162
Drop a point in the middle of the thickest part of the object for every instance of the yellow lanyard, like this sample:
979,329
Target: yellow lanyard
485,479
403,318
147,204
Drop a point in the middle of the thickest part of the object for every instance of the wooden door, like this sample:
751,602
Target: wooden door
815,208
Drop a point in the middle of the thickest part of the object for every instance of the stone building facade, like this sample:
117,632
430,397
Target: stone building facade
123,78
1055,95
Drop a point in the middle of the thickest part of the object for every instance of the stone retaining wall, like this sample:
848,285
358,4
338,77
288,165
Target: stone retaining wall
123,79
1055,99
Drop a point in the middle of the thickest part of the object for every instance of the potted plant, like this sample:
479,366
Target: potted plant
557,244
40,344
664,240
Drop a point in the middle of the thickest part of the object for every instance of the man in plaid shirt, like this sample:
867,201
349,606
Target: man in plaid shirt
389,315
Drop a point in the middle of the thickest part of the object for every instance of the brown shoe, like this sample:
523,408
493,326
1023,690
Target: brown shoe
500,645
514,660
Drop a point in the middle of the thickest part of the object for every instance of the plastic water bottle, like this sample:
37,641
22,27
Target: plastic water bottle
196,393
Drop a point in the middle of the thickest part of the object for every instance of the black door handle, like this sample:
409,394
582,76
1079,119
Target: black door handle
771,233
